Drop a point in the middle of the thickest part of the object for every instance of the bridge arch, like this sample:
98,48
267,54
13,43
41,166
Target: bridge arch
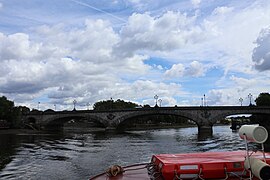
130,116
225,114
58,122
31,120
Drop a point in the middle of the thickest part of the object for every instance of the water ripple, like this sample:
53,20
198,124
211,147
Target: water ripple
79,156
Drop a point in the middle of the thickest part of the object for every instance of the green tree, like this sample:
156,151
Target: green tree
10,113
111,104
24,110
263,99
263,119
6,108
146,106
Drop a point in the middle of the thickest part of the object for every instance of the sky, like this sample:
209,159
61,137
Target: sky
55,52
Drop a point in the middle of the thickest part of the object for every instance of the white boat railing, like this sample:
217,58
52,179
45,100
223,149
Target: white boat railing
257,134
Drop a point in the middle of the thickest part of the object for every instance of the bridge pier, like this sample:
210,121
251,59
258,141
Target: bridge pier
205,130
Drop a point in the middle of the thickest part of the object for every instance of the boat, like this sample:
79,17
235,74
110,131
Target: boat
228,165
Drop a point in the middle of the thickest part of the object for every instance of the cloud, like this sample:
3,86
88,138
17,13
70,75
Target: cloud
95,59
261,53
236,88
222,10
143,88
195,69
17,46
177,70
170,31
195,3
230,32
67,62
243,84
94,41
224,97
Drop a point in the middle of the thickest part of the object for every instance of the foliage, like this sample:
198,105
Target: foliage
146,106
10,113
263,99
48,111
6,108
111,104
263,119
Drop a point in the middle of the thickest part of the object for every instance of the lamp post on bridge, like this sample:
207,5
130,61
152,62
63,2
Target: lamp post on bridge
160,101
250,96
111,103
241,101
54,107
74,104
38,105
156,98
87,104
204,100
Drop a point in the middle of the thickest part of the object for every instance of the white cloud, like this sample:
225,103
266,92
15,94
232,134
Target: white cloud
98,59
135,1
195,69
222,10
147,89
237,88
195,3
229,37
229,96
165,101
177,70
64,63
17,46
170,31
243,84
92,43
261,53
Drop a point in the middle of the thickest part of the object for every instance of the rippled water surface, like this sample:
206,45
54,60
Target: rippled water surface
82,155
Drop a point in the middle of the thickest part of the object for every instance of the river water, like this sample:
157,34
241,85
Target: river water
80,155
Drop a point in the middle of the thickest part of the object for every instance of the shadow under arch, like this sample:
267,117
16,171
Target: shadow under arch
31,120
153,120
58,123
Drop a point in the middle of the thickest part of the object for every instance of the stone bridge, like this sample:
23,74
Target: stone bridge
204,117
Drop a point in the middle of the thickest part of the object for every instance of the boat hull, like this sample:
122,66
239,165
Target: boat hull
207,165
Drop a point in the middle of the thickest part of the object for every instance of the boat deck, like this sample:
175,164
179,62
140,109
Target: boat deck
134,172
207,165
